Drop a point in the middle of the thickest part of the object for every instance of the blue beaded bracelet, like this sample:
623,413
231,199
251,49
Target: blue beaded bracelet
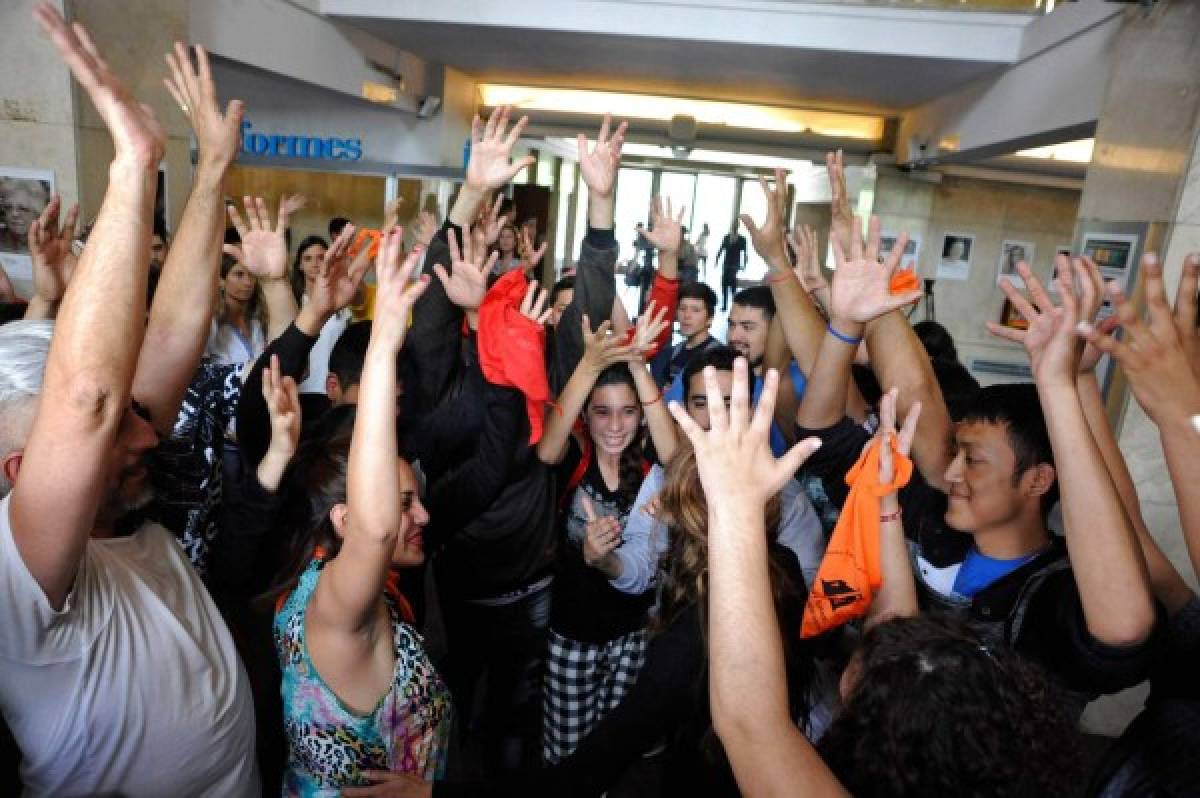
846,339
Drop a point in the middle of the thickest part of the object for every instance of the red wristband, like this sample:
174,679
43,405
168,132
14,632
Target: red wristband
886,517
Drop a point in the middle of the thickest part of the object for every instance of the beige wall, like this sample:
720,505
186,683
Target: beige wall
992,212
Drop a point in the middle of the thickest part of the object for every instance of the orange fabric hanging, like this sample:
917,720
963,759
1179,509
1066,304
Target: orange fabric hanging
904,281
512,348
850,572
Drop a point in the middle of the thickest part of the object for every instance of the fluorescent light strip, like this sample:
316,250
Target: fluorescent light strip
767,118
1079,151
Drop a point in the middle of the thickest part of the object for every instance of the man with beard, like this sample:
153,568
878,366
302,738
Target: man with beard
118,676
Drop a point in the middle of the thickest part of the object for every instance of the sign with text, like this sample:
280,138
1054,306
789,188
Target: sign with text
291,145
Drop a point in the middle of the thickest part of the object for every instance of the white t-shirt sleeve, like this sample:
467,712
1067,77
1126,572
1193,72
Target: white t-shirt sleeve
31,630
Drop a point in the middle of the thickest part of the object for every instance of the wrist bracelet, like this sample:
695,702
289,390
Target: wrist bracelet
652,401
780,278
846,339
886,517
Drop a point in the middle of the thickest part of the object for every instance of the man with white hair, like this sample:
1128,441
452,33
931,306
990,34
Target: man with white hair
117,674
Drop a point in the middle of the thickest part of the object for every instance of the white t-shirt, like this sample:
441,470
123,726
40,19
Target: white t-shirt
318,358
134,688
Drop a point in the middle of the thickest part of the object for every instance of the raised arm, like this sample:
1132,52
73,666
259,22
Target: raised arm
747,678
897,596
601,350
52,260
595,287
1166,582
1106,561
802,325
349,592
264,252
66,466
183,306
658,420
861,292
1157,358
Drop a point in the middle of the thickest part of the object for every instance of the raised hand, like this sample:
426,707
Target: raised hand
292,203
1054,353
601,349
489,220
1153,354
737,469
526,251
666,227
650,325
396,292
598,168
50,250
217,134
283,406
768,240
424,229
1185,311
391,214
806,249
843,223
337,280
861,288
263,251
138,139
602,535
467,283
887,431
533,306
490,165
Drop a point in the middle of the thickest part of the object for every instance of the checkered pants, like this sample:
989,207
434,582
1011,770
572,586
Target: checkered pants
583,682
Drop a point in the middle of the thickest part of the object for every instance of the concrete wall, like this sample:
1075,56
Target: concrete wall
992,212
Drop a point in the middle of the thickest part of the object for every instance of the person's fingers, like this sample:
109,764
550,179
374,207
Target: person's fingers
515,134
897,301
1162,321
70,223
1007,333
527,302
750,225
1185,296
739,400
887,410
689,427
1107,344
602,136
264,218
489,264
1088,288
251,213
908,432
1018,300
589,512
235,217
233,251
518,165
205,83
857,245
894,258
1123,309
489,129
581,147
440,271
1066,291
794,458
586,325
764,412
1037,291
268,386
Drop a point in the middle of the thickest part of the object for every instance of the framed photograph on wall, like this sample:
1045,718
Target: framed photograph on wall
955,261
24,194
1011,253
887,241
1061,249
1114,253
1009,317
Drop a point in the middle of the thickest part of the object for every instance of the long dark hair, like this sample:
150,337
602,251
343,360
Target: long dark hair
629,469
297,274
315,484
935,712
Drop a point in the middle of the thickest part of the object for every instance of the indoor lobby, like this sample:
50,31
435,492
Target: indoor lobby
544,241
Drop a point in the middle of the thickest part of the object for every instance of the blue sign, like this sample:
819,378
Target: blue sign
293,146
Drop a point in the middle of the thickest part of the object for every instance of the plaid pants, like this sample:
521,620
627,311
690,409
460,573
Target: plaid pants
583,682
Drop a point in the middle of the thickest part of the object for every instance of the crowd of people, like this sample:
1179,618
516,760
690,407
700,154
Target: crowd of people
816,559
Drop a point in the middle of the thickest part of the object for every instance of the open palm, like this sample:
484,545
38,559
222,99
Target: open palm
861,288
490,165
263,250
666,227
466,282
598,168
